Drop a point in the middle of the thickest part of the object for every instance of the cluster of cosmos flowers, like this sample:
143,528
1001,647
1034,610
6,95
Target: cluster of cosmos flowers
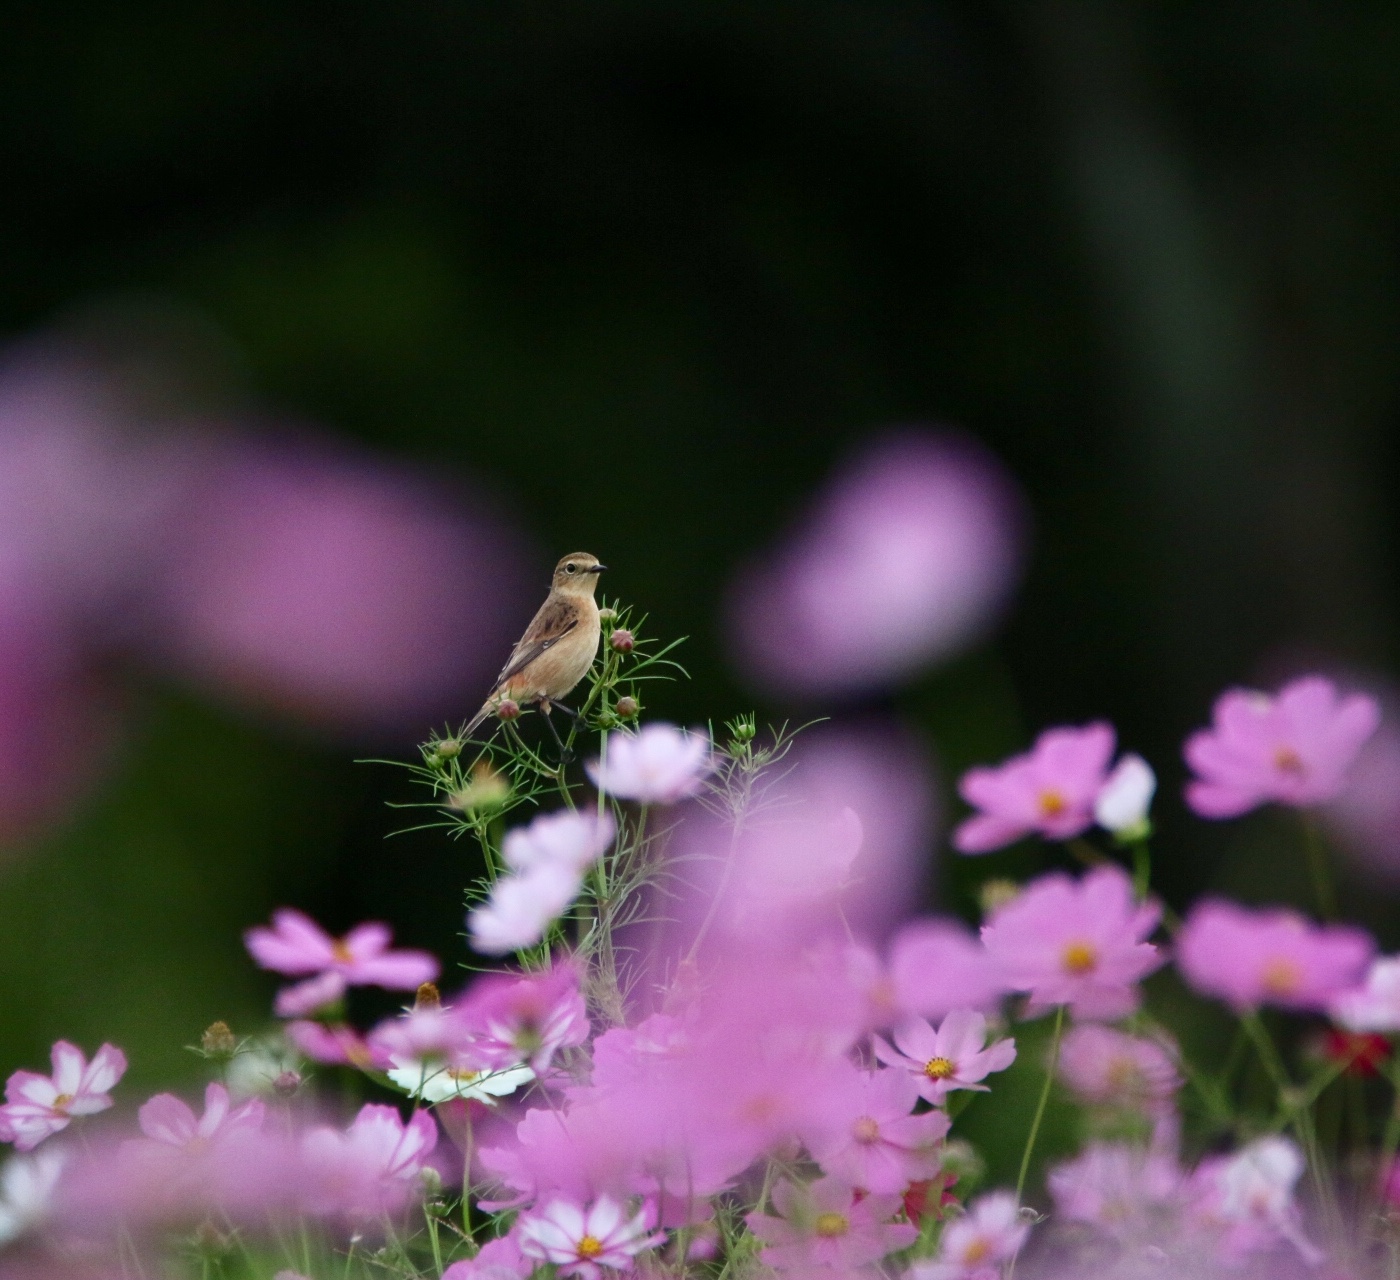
730,1081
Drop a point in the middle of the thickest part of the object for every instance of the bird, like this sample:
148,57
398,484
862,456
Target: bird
558,646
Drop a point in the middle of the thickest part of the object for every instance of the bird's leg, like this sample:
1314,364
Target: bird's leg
565,755
565,708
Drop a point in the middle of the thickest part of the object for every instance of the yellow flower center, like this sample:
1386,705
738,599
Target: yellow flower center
939,1068
832,1224
978,1250
1287,760
62,1102
341,953
462,1075
865,1129
590,1247
1052,803
1280,977
1080,957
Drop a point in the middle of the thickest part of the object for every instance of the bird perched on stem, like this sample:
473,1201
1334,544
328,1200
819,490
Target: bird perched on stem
558,646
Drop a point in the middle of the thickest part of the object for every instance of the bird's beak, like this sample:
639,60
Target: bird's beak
597,568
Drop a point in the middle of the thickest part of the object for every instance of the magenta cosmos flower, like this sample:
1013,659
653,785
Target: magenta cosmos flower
1274,956
1077,943
1112,1068
908,556
991,1232
581,1240
956,1056
169,1120
371,1167
1050,790
37,1107
296,945
867,1137
1375,1005
659,764
1294,747
823,1226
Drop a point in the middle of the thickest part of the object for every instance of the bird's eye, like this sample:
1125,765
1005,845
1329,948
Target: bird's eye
571,568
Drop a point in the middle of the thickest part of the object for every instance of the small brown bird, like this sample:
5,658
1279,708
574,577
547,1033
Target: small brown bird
558,646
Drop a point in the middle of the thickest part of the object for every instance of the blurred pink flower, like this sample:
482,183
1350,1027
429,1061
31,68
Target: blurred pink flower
1375,1005
822,1227
370,1168
1077,943
563,839
526,1018
36,1107
1294,747
658,764
170,1121
499,1259
1113,1068
27,1187
1116,1187
1050,790
934,966
297,945
867,1136
520,908
580,1240
1272,956
335,1044
907,558
956,1056
333,587
1249,1197
991,1232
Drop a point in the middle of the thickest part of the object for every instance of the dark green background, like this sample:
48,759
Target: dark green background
648,270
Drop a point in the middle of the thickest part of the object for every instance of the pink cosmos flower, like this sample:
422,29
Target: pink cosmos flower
1248,958
335,1044
907,557
525,1019
937,966
169,1120
1294,747
1078,943
953,1057
370,1168
1250,1197
522,907
866,1136
297,945
38,1106
1112,1068
1116,1187
1375,1006
1050,790
499,1259
823,1227
992,1231
582,1239
658,764
565,839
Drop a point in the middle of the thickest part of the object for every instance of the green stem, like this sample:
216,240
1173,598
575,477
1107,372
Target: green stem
1044,1099
1319,869
1142,869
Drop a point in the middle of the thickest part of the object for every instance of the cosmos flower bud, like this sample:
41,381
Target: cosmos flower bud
627,707
487,788
508,710
622,640
218,1041
448,749
286,1083
607,615
1122,806
428,997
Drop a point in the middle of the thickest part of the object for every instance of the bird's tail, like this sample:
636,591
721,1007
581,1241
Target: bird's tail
487,710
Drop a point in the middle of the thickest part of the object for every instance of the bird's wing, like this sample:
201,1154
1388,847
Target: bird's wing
551,624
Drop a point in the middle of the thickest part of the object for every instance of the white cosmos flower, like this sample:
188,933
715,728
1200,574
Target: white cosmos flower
437,1081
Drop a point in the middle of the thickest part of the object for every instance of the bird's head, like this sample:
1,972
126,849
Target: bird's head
577,574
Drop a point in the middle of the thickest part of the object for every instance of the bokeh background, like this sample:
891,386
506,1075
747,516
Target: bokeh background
330,326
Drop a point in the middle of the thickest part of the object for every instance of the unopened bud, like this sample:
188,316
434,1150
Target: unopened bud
622,640
607,615
745,731
286,1083
448,749
428,997
487,788
996,893
218,1041
431,1180
509,709
628,707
